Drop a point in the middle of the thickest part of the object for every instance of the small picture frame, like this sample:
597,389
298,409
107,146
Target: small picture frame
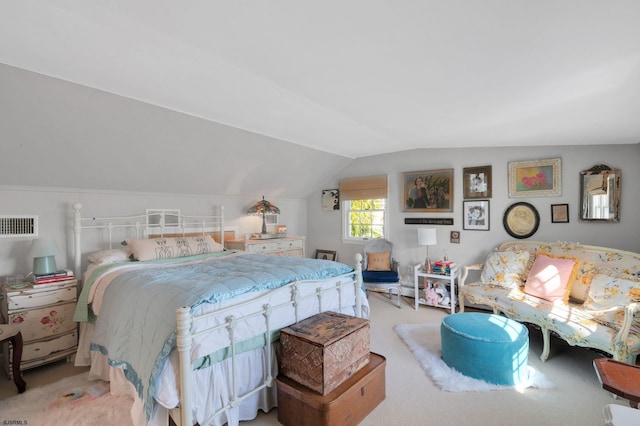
475,215
327,255
476,182
454,237
330,199
559,213
537,178
427,191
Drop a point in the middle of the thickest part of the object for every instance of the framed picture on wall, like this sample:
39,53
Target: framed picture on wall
428,191
559,213
475,215
537,178
476,182
330,199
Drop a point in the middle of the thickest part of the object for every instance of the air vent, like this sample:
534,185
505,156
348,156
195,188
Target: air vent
18,226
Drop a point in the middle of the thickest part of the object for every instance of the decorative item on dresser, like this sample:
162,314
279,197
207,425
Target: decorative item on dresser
263,207
44,314
285,246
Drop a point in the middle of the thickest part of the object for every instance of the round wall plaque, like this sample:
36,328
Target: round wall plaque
521,220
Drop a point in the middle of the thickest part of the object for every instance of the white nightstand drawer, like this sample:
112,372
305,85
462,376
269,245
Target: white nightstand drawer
46,348
262,247
44,322
31,299
290,244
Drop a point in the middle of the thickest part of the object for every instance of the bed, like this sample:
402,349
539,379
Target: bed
187,328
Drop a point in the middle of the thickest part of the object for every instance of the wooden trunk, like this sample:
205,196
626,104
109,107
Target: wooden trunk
347,405
324,350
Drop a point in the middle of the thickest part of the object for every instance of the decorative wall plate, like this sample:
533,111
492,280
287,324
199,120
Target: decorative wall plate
521,220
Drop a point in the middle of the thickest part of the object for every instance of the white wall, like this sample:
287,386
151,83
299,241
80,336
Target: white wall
54,210
324,228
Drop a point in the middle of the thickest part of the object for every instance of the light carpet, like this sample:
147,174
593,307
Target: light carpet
424,342
71,401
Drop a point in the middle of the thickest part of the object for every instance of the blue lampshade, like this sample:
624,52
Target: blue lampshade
44,252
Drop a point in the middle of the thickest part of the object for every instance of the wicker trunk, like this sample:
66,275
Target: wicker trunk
323,351
347,405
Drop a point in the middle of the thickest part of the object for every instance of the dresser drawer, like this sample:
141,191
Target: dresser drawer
290,253
290,244
44,322
45,348
31,299
262,247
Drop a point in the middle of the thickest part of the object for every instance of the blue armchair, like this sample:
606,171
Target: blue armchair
380,269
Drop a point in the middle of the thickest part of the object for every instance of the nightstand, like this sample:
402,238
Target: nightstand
44,315
285,246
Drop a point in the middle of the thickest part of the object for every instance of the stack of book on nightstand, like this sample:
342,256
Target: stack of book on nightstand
442,267
54,277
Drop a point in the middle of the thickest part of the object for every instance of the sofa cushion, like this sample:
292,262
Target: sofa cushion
550,277
380,261
505,268
607,292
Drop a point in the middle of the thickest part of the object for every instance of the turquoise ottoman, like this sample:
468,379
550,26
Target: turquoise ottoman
486,347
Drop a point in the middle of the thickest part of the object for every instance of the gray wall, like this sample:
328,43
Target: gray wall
324,227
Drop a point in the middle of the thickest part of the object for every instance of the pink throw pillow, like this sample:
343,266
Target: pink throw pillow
550,277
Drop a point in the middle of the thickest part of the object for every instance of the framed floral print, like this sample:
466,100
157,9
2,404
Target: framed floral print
428,191
476,182
537,178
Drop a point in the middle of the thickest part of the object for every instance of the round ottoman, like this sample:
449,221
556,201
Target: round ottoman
486,347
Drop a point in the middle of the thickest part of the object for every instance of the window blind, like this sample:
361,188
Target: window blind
364,188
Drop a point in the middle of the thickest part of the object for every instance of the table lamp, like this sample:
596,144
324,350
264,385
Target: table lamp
427,237
263,207
43,251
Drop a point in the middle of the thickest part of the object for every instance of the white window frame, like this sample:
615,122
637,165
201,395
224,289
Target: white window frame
346,222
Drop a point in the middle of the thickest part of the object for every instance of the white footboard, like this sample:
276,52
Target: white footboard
351,282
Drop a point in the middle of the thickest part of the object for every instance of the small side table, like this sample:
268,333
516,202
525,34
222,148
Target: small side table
619,378
12,334
450,278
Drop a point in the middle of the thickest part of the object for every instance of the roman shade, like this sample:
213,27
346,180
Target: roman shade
364,188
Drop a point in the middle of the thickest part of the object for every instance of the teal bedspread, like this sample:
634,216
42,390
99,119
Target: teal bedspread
136,328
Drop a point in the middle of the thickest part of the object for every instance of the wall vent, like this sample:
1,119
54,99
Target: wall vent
13,226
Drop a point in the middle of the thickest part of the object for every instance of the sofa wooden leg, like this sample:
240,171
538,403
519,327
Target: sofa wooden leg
546,337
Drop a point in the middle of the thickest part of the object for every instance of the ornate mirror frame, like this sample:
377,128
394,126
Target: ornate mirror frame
600,194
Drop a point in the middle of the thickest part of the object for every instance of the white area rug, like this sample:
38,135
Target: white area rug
71,401
424,341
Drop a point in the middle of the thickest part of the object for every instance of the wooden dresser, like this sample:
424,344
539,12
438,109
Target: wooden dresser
44,314
286,246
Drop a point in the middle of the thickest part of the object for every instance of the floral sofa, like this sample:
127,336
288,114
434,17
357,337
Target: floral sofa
589,296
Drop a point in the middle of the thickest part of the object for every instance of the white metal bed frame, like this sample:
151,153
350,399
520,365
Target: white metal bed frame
185,319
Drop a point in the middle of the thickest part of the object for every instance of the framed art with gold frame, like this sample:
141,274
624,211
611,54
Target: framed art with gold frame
536,178
428,191
476,182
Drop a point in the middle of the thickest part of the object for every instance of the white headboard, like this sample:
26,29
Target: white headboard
151,224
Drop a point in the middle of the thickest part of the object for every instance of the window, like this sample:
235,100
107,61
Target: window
364,219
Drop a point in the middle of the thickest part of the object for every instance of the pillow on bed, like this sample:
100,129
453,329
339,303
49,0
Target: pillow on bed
379,261
109,256
171,248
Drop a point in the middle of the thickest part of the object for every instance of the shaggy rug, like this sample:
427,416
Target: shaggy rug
71,401
424,341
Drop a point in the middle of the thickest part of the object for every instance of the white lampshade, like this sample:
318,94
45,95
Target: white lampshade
44,252
427,236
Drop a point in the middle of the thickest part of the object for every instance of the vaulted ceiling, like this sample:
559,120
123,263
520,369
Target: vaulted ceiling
353,78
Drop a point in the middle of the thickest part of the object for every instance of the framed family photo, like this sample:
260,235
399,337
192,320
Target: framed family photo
428,191
327,254
476,182
538,178
475,215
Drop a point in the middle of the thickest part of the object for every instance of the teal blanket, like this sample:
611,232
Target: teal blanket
136,328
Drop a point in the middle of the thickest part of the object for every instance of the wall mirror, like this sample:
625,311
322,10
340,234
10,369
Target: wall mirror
600,194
